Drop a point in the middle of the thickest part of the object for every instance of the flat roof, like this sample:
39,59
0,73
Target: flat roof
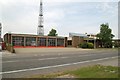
30,35
77,34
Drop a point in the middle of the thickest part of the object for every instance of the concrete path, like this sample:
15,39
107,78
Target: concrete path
41,50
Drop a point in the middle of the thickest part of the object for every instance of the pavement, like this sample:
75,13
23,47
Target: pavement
23,65
40,50
25,52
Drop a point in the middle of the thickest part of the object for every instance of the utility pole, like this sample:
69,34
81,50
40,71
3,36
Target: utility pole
40,30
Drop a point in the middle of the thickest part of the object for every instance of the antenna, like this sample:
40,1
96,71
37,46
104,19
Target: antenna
40,21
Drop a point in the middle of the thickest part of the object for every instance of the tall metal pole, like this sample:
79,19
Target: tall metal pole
40,22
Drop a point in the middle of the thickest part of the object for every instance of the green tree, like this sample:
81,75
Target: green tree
105,35
53,32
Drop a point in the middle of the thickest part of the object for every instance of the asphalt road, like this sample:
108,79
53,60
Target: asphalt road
22,66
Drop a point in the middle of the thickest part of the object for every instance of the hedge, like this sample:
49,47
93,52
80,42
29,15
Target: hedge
86,45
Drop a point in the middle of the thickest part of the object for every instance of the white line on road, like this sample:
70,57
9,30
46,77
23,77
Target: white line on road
46,58
36,59
9,61
68,64
53,58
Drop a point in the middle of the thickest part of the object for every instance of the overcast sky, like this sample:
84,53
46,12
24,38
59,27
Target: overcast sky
79,16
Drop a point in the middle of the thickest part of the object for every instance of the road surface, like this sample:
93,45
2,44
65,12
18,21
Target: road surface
18,66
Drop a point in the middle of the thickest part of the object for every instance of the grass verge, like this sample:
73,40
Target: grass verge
96,71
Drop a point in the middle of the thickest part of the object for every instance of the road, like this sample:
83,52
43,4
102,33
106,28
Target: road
25,65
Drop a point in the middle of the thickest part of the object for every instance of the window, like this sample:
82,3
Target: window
18,41
60,42
69,42
30,41
51,42
41,41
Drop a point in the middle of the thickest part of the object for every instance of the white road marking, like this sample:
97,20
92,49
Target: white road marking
35,55
86,55
68,64
45,58
10,61
52,58
35,59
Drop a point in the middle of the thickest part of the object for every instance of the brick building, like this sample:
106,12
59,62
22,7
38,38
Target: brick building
27,40
74,39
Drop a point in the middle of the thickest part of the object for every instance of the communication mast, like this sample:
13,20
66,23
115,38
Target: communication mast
40,30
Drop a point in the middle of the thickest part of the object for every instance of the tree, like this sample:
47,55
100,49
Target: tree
53,32
105,35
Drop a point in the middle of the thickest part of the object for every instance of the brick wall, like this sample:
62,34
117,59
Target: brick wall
76,40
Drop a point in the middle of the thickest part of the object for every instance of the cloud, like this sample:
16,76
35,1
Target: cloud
23,17
54,15
52,19
108,7
33,2
63,15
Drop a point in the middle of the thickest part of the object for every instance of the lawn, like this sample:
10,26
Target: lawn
96,71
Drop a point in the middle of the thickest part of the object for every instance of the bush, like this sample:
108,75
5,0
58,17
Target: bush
116,45
86,45
79,45
83,45
90,45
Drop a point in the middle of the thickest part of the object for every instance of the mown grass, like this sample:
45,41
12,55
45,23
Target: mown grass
96,71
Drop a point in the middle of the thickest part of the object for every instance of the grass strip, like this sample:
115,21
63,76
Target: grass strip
96,71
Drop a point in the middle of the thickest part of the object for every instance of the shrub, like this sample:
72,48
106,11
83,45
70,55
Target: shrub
79,45
90,45
116,45
86,45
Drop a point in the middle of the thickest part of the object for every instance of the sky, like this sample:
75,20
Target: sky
79,16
